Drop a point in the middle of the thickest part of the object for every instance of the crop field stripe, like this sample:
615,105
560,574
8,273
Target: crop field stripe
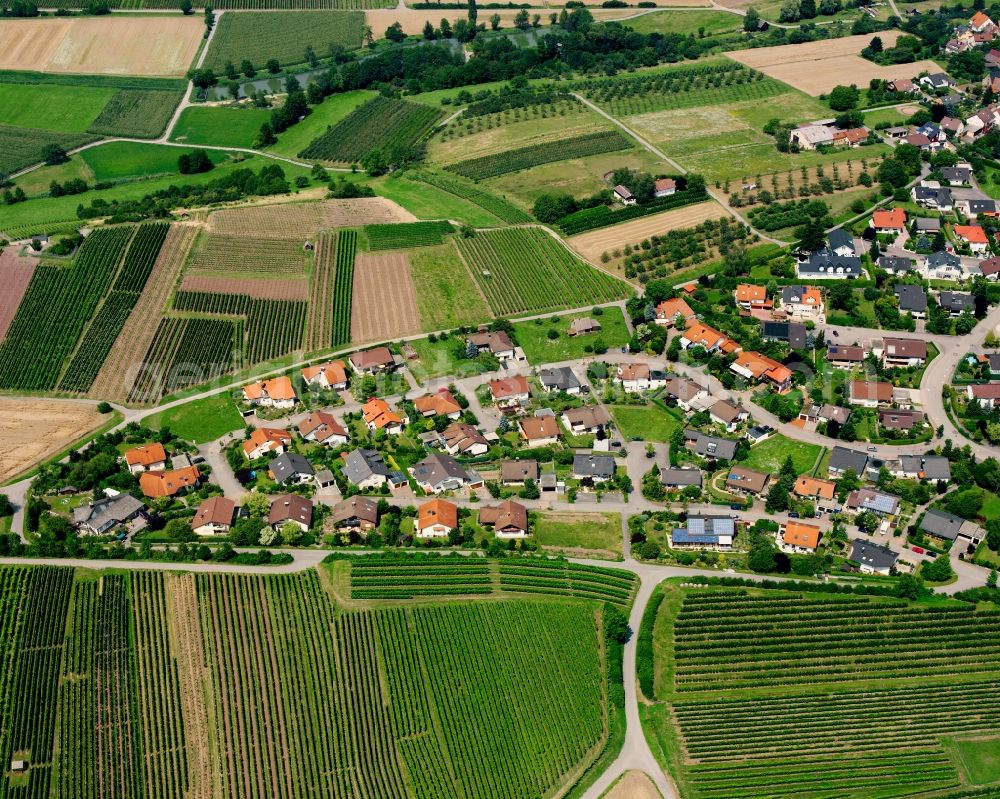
382,122
343,286
151,378
406,235
136,113
22,147
56,308
491,166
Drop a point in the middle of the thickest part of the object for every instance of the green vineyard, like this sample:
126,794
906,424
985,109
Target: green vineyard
382,123
816,695
59,302
491,166
110,319
411,234
331,291
525,269
408,577
249,687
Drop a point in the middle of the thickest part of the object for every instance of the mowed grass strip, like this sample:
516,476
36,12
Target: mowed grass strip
283,35
380,124
446,295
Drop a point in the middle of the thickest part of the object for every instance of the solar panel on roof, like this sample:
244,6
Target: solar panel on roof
881,502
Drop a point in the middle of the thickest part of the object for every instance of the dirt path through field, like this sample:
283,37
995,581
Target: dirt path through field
384,304
121,366
15,275
591,245
634,785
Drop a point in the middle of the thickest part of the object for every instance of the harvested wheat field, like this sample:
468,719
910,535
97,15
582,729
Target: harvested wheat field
817,67
15,275
302,220
292,288
384,304
591,245
122,364
151,44
633,785
36,430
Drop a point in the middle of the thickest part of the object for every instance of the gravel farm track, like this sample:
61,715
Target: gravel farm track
385,300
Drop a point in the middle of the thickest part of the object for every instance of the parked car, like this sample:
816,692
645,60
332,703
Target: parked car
735,506
793,514
918,550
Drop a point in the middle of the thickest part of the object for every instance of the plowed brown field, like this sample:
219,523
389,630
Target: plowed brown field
15,275
385,301
263,289
302,220
36,430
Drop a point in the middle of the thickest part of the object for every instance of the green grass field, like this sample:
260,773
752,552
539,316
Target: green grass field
67,109
429,202
687,22
224,127
124,160
780,694
22,147
447,297
201,420
650,423
565,530
322,116
284,35
769,455
539,348
37,214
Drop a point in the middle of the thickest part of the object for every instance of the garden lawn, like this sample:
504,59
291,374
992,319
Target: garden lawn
69,109
325,115
539,348
769,455
440,359
121,160
569,530
980,759
223,127
991,506
447,297
653,422
200,421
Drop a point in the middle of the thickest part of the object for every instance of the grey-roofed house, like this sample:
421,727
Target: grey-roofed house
842,242
366,468
927,224
843,459
973,209
673,477
715,532
956,175
936,197
912,299
727,414
895,264
595,467
560,379
794,333
710,446
741,480
588,419
439,472
993,359
921,467
956,301
868,499
941,524
825,264
834,413
290,467
872,558
103,515
944,265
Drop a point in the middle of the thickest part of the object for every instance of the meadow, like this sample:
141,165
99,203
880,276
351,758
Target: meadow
282,35
823,695
322,116
67,109
226,127
769,455
539,347
447,297
142,666
652,422
118,161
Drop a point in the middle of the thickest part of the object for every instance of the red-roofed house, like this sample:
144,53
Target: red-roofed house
274,393
669,311
754,366
147,457
331,375
441,403
893,221
379,416
510,391
664,187
974,236
214,516
870,394
169,484
266,441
